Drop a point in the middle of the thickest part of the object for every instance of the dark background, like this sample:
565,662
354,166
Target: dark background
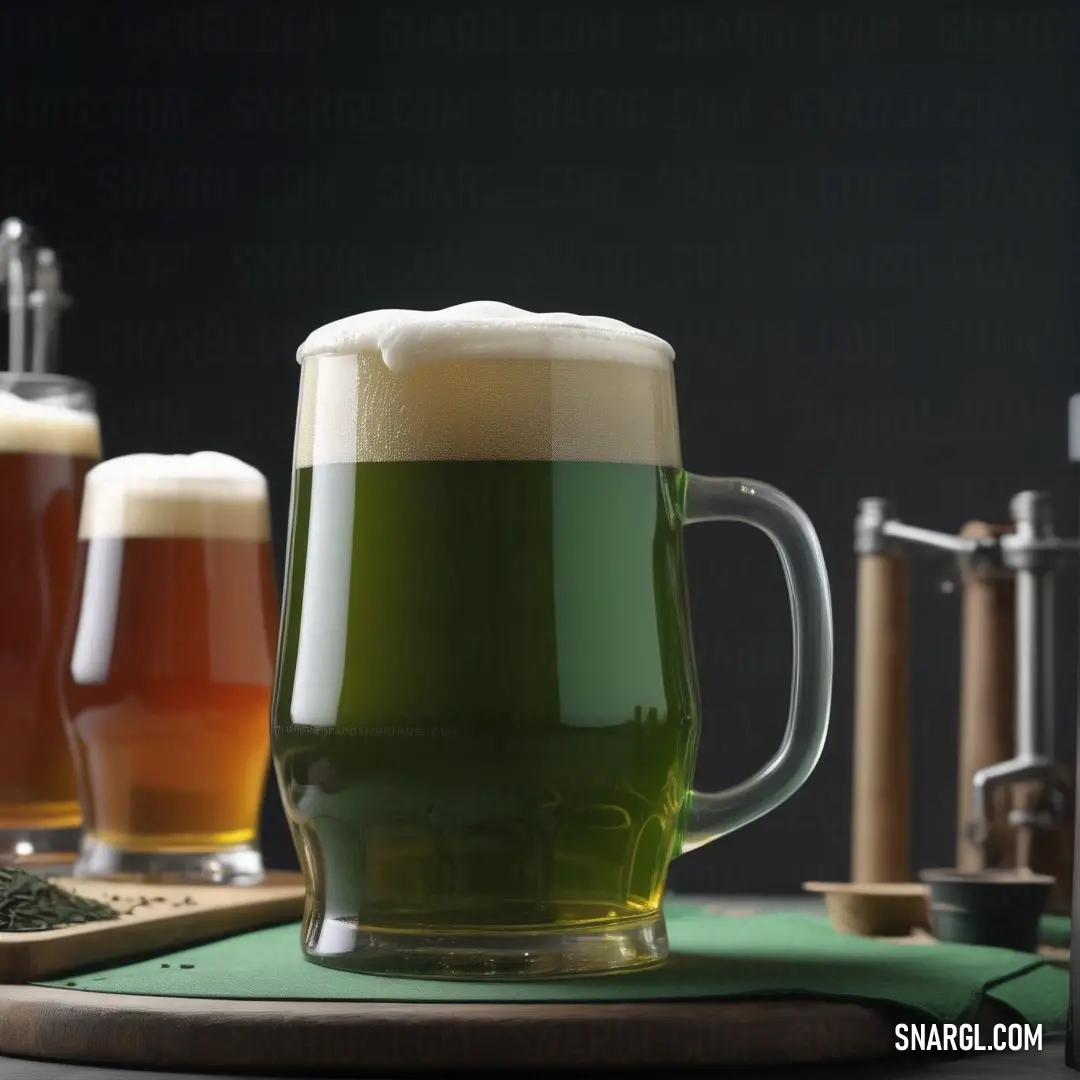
855,223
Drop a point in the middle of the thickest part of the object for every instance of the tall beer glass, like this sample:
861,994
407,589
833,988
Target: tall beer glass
168,667
486,713
49,438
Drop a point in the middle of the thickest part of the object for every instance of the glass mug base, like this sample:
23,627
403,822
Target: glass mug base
510,955
242,865
36,846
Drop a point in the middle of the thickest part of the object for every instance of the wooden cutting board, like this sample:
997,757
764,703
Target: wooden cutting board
365,1038
155,918
222,1037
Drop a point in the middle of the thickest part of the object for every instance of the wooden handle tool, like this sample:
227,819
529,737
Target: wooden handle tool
987,698
881,803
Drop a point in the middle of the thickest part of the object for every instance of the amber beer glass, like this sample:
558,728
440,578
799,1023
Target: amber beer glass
49,438
168,666
486,713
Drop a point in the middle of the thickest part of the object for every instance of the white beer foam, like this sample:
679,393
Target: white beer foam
475,383
39,427
203,495
486,329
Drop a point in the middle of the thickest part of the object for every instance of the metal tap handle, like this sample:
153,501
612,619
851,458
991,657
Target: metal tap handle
877,533
1033,516
1031,551
47,301
1074,428
15,273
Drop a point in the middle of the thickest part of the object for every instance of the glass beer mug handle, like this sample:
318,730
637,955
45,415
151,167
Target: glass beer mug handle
709,499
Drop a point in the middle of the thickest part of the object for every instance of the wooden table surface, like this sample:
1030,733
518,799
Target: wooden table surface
1045,1064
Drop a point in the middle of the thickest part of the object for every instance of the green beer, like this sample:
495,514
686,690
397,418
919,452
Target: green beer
513,735
485,713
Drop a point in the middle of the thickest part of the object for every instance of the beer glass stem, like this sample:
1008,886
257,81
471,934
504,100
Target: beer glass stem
711,815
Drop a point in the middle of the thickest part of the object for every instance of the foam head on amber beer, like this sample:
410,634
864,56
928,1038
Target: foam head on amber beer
207,495
485,382
40,427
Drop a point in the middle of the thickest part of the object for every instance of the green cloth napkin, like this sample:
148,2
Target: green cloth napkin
1055,930
712,956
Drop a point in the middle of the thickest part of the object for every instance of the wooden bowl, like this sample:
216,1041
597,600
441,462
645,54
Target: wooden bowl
884,909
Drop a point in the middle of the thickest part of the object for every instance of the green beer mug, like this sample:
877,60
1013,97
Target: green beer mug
485,714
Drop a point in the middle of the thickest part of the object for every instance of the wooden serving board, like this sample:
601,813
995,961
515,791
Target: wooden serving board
156,918
365,1038
320,1038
